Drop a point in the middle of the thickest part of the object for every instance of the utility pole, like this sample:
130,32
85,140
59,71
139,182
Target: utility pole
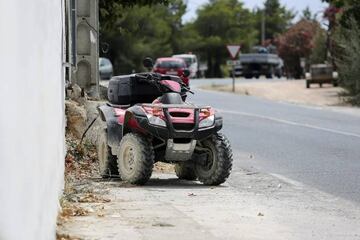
85,44
263,27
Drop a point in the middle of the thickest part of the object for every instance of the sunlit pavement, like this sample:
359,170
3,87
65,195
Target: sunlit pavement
295,176
317,146
259,207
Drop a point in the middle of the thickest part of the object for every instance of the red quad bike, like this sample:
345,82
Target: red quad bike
146,120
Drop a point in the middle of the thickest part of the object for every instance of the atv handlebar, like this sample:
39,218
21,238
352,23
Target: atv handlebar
154,78
148,77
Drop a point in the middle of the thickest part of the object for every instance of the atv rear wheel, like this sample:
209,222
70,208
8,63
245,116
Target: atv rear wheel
185,171
135,159
107,162
217,167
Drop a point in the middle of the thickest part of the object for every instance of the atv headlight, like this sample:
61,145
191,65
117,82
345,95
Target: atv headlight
156,121
207,122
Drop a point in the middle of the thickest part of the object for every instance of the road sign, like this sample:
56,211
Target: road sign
233,62
233,50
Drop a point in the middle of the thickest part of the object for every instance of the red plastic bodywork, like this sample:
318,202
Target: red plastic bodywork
188,114
132,123
120,114
174,86
177,115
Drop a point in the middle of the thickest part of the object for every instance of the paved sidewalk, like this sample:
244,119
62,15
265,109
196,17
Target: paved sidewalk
264,207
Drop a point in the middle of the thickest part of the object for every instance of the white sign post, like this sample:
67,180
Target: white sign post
234,51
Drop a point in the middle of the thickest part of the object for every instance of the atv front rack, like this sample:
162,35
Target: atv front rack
173,132
167,106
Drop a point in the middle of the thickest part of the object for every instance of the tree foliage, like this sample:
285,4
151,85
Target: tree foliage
308,15
277,19
297,43
135,29
143,31
111,10
222,22
319,52
344,18
348,62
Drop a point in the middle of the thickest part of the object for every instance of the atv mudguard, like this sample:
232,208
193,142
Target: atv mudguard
136,112
113,128
116,130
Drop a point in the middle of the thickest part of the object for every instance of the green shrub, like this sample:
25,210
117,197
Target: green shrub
348,59
319,51
226,71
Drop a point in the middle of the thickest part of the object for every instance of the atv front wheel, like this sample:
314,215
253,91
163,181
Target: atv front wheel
218,164
107,162
135,159
185,171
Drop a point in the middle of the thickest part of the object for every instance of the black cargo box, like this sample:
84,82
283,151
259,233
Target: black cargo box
128,90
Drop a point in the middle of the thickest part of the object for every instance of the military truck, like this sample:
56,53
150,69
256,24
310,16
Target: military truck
261,63
320,74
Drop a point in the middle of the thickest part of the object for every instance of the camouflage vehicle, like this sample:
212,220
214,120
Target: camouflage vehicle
320,74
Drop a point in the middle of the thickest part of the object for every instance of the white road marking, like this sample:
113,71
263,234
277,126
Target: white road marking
353,111
348,134
288,180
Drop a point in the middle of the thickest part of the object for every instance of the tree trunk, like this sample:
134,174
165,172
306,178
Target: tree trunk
209,72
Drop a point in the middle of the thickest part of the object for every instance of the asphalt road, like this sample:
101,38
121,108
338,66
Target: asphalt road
318,147
223,81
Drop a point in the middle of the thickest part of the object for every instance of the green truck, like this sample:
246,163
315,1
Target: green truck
320,74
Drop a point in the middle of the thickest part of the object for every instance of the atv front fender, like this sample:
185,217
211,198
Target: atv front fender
130,121
113,128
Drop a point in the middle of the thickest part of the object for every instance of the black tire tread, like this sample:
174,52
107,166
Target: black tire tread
111,169
147,156
225,157
185,171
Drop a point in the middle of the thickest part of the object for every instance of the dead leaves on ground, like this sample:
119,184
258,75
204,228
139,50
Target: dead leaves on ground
79,198
66,237
73,211
80,160
92,198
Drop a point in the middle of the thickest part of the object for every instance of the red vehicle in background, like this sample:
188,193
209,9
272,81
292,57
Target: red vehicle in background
171,66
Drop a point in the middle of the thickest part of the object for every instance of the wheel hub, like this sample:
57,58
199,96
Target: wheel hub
129,159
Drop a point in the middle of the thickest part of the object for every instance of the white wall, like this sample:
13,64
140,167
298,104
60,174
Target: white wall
31,118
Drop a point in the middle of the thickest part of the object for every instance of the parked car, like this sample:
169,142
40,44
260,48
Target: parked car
172,66
320,74
105,68
191,63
